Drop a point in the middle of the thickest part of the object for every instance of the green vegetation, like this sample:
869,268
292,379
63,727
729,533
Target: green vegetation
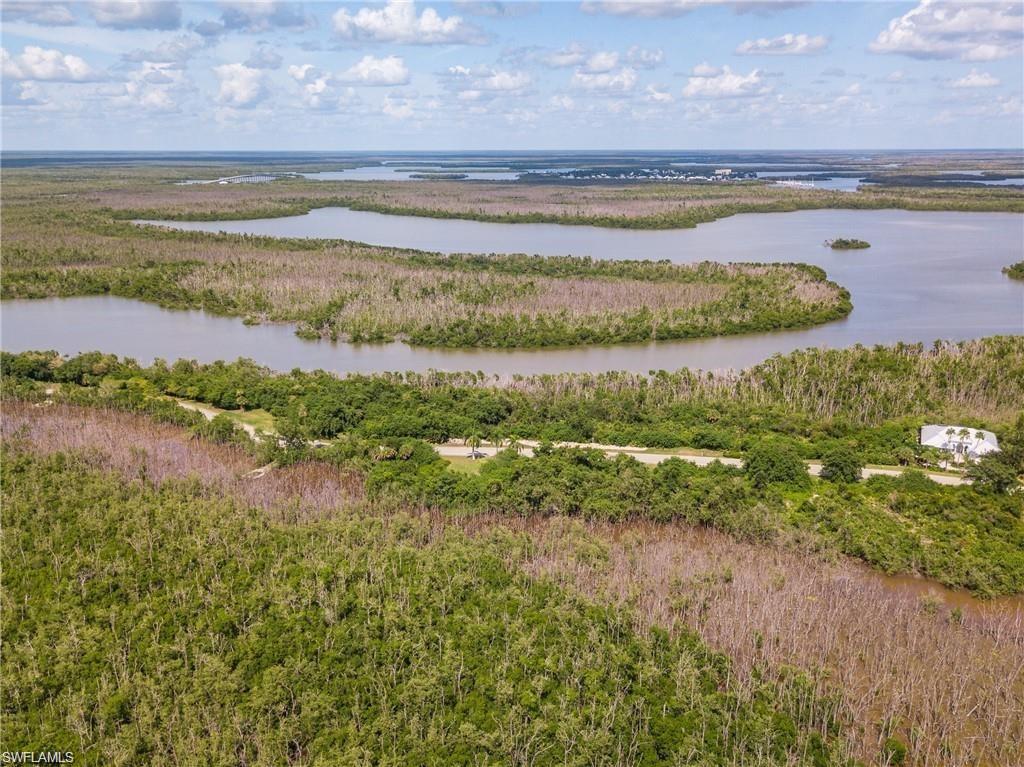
464,464
67,232
348,291
173,622
872,400
971,537
176,592
841,464
775,461
842,243
1015,271
997,472
671,576
440,176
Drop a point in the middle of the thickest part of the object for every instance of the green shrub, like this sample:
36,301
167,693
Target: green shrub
993,473
841,464
773,461
894,752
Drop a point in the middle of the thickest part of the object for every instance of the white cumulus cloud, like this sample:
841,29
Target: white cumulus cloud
710,83
656,96
370,70
976,79
944,30
301,71
784,45
706,70
504,81
154,87
602,61
473,84
621,80
35,63
240,86
398,22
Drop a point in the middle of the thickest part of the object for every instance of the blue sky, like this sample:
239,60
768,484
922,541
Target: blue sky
681,74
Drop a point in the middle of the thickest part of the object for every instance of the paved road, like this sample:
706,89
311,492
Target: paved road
454,450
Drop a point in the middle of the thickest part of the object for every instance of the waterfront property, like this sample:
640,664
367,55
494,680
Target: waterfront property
963,443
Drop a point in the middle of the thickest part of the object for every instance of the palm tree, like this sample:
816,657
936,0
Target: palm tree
514,443
964,434
474,443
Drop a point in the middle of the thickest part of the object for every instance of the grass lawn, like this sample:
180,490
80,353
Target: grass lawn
258,418
465,465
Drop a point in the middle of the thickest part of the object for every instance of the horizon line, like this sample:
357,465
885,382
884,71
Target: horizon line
513,151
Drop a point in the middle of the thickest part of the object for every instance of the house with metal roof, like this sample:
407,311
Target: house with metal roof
963,442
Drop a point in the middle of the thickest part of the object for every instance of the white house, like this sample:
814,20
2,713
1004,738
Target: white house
963,442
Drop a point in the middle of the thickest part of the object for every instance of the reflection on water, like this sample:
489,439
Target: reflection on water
145,331
927,276
835,184
926,590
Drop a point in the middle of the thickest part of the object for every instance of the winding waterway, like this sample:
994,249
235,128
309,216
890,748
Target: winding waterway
927,276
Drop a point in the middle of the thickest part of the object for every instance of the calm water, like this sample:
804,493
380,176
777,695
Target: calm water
384,173
927,276
837,184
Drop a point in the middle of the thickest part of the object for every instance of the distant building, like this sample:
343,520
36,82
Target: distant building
962,442
723,171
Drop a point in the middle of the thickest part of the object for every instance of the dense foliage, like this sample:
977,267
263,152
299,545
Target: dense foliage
805,604
168,626
873,400
775,460
1015,271
844,243
61,243
962,536
841,464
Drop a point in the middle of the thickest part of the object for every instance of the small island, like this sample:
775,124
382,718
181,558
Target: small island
841,243
1015,271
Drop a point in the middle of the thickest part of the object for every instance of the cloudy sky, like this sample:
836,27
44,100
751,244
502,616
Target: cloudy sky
681,74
